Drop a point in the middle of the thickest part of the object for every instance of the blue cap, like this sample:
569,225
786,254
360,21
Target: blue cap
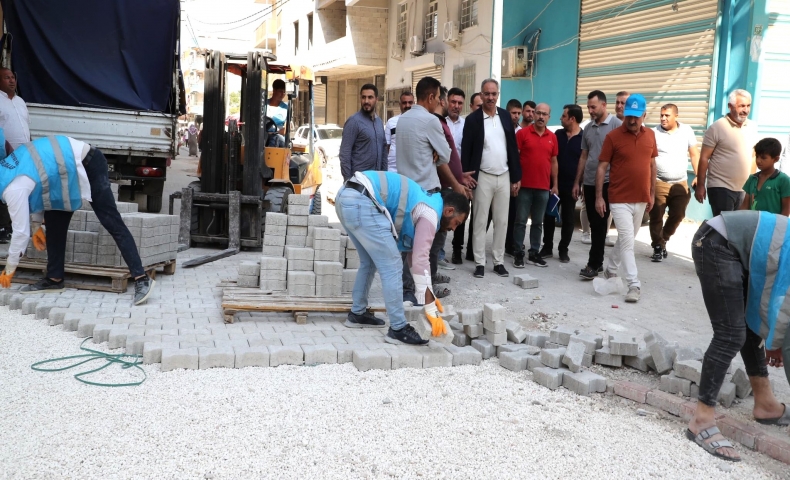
635,106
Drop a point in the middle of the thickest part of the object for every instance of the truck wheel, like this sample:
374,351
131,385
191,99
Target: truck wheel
315,206
277,200
154,203
195,186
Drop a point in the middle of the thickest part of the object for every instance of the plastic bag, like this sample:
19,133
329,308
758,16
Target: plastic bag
604,286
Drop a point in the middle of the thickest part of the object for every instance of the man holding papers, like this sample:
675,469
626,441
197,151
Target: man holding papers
538,150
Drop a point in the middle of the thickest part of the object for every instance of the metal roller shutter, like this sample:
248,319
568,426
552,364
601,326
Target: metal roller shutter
648,47
773,99
417,75
319,104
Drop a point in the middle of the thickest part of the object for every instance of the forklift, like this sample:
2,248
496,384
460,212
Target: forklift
241,177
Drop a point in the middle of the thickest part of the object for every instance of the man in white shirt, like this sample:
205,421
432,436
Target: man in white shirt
14,121
406,102
53,176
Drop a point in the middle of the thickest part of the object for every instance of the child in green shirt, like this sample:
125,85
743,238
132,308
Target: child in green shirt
769,189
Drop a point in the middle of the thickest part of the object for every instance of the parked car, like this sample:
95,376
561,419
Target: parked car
326,140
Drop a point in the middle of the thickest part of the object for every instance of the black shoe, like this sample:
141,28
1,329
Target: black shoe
600,269
5,234
545,253
366,320
664,252
457,259
406,335
564,258
519,260
479,271
657,256
500,270
588,273
535,259
142,289
44,285
509,252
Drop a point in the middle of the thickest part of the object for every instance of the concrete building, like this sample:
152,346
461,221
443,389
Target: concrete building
345,43
193,65
446,39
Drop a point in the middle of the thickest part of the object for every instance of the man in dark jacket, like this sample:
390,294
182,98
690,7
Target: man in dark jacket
489,149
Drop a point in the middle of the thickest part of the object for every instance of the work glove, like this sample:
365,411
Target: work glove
40,238
422,284
5,278
432,311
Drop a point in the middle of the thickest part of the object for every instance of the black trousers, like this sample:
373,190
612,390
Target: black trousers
106,211
567,208
598,225
5,218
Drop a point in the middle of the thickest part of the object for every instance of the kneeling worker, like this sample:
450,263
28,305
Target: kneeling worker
385,214
54,175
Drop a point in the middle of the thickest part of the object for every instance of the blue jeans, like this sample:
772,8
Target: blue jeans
724,285
371,232
531,203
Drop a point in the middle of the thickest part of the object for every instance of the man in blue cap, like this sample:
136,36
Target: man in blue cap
630,151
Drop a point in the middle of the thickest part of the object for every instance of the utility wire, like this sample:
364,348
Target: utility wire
528,25
257,19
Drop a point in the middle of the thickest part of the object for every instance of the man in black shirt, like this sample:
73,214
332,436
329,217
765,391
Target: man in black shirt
569,143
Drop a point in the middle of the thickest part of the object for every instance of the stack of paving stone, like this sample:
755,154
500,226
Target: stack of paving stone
88,242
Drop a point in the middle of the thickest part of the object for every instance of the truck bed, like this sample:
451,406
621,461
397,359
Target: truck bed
127,132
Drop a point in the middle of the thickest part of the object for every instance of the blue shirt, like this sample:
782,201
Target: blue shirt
279,114
363,146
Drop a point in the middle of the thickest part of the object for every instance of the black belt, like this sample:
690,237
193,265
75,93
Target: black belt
357,186
88,157
435,190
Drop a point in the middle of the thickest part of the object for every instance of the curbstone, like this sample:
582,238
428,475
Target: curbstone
631,391
774,447
743,433
665,401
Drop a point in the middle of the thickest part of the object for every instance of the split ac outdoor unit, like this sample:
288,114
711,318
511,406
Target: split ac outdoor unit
397,51
416,45
514,62
451,34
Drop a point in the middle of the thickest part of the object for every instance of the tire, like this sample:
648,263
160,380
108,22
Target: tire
315,208
277,200
322,156
153,203
195,186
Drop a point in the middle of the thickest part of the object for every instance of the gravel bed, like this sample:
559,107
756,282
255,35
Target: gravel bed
328,421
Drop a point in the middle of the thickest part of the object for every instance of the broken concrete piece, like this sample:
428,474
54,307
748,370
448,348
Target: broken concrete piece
689,369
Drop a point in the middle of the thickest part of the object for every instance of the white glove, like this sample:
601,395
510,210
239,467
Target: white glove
422,283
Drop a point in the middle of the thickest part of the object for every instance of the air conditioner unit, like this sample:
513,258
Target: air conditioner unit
451,34
514,62
416,45
397,51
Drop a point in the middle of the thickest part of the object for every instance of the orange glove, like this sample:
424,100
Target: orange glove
5,279
437,323
40,239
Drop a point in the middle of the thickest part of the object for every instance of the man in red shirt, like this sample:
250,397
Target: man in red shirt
538,149
631,151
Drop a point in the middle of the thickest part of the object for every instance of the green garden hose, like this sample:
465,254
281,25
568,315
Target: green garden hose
92,355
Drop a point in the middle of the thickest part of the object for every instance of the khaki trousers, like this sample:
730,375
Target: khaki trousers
492,193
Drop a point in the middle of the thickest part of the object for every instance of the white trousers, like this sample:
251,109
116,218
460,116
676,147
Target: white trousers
492,194
627,219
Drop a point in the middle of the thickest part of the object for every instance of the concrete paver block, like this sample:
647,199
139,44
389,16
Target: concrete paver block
727,394
378,359
323,353
494,326
486,348
604,357
251,357
494,312
552,358
152,351
474,331
642,361
285,355
562,334
574,356
518,347
515,332
525,281
671,383
549,377
622,344
467,355
497,339
584,383
663,356
591,341
405,357
460,339
743,388
216,357
436,357
173,358
689,369
537,339
513,361
533,362
345,352
250,269
471,316
687,353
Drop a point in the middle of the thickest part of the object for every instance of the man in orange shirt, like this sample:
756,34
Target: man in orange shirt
630,151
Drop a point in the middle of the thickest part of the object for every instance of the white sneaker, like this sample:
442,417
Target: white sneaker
633,295
443,263
607,274
586,238
610,240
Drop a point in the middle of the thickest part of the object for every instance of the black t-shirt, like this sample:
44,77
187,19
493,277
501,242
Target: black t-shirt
568,158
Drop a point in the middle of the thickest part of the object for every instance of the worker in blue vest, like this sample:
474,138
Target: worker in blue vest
385,214
54,176
742,259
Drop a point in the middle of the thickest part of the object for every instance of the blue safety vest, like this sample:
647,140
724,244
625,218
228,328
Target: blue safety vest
49,162
399,195
767,311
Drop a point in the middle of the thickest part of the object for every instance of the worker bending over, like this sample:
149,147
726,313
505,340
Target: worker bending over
385,214
54,175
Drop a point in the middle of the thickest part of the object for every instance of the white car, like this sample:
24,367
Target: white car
326,140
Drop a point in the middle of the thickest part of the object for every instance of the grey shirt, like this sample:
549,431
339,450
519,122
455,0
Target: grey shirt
363,146
419,135
592,141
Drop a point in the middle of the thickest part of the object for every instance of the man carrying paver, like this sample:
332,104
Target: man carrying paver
363,146
385,214
406,102
738,262
601,123
629,153
53,176
725,160
676,144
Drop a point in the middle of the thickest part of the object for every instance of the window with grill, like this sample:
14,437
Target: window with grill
468,13
403,18
464,78
432,20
